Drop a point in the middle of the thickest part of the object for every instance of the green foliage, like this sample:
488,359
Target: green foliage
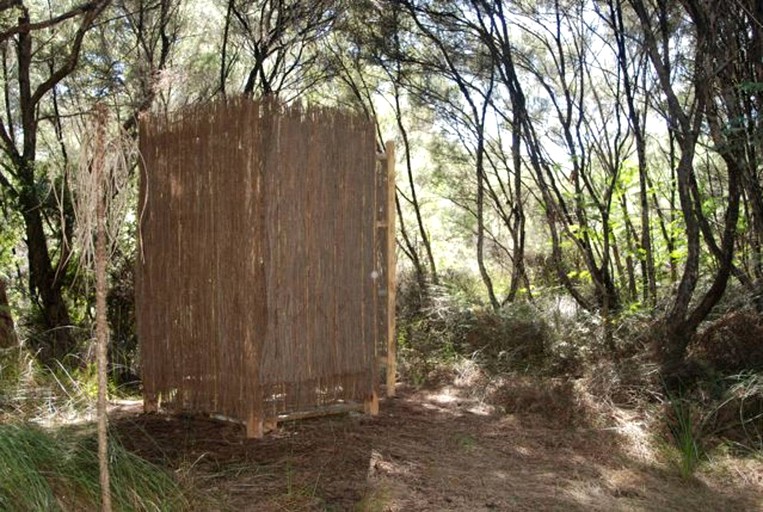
10,371
515,337
10,236
123,348
83,381
432,323
59,472
715,412
439,325
707,411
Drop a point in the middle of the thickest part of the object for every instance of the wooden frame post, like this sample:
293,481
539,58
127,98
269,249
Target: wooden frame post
255,427
150,402
371,405
391,271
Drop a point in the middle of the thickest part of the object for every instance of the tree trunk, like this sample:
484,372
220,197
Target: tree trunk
44,278
46,285
517,228
414,202
7,331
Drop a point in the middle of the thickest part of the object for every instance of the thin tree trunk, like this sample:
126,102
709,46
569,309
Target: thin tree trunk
414,202
519,272
630,237
224,52
408,246
101,327
412,184
481,178
7,331
649,291
45,285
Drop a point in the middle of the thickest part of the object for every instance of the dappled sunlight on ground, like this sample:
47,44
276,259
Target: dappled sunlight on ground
450,400
433,450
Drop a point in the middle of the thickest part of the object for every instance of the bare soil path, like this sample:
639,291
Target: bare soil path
430,451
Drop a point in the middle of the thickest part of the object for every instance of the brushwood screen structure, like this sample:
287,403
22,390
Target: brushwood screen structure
265,277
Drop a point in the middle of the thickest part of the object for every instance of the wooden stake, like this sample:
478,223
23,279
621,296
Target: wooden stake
371,405
150,403
255,428
101,325
391,272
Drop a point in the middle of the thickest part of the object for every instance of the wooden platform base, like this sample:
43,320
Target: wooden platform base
256,428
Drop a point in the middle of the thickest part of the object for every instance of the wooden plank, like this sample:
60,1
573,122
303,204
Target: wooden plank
256,428
327,410
391,272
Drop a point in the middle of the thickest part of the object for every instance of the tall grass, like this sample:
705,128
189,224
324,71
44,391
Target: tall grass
40,470
686,432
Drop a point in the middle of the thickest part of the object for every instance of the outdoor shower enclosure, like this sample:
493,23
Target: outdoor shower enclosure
265,281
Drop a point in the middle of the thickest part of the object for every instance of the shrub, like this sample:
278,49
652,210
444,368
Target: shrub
514,337
123,351
444,322
687,433
737,415
731,344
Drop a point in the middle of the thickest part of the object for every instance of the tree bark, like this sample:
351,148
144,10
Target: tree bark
46,285
517,227
101,326
682,320
45,277
8,337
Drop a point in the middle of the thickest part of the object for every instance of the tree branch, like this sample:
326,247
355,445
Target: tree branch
71,62
39,25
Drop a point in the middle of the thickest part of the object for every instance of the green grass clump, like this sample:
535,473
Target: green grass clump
686,434
40,470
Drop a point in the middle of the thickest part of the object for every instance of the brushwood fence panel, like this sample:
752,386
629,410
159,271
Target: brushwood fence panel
258,283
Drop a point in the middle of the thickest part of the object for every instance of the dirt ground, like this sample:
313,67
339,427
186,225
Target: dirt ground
433,450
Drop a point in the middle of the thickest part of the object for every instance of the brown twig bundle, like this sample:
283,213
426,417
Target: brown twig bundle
119,153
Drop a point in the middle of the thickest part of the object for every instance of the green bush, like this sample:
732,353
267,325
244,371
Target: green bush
123,349
444,322
516,337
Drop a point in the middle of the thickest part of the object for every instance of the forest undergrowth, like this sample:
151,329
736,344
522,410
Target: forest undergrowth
574,369
545,361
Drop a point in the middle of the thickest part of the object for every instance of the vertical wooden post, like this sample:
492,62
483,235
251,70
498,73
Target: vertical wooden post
255,427
371,405
391,272
101,257
150,402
